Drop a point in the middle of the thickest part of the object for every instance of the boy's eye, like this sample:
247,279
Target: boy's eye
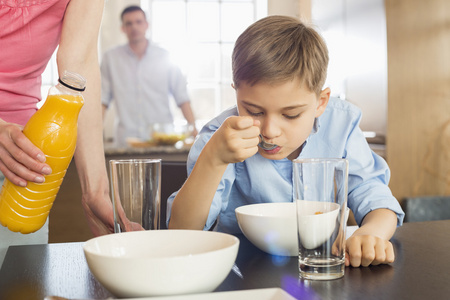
256,114
292,117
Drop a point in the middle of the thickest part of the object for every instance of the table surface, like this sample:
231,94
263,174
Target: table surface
421,271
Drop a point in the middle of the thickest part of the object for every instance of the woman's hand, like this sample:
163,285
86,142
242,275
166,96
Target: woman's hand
99,212
20,160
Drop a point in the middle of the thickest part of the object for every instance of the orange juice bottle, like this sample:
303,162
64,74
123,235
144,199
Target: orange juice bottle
53,129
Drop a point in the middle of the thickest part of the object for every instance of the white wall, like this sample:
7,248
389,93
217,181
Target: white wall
294,8
111,33
355,31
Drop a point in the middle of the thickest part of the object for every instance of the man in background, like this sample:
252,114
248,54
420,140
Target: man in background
140,78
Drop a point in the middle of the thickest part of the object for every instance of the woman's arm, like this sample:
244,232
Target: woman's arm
78,53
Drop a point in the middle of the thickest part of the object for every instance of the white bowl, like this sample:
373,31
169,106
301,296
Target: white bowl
168,133
161,262
316,222
272,227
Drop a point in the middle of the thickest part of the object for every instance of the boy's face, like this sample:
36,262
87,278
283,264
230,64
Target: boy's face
286,112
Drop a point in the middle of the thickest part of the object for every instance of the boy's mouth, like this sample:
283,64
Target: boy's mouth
266,146
272,151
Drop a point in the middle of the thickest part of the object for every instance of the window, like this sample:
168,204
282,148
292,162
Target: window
200,35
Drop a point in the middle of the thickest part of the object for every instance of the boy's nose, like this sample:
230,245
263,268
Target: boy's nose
269,129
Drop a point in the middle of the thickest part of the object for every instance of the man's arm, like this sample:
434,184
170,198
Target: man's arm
189,116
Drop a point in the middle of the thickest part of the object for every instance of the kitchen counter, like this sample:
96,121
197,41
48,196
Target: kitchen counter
170,153
377,143
68,222
173,154
379,149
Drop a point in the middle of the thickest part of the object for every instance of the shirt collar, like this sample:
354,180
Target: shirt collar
314,130
130,52
316,126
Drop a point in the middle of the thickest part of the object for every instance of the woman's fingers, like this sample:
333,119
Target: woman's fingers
20,160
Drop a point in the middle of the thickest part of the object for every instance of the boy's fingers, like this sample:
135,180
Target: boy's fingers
252,143
368,256
370,251
251,134
354,254
380,254
355,260
245,126
384,253
238,122
390,255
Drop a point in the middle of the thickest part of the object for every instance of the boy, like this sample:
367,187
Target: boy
279,69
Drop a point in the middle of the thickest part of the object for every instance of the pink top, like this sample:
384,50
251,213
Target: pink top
29,34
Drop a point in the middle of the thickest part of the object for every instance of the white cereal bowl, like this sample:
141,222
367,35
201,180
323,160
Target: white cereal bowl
316,222
272,227
161,262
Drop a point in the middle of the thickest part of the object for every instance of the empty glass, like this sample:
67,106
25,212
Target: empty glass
321,188
136,194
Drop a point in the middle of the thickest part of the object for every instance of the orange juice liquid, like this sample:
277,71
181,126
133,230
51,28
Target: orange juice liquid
53,129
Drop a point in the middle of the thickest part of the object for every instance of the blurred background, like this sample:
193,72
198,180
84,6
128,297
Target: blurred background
200,35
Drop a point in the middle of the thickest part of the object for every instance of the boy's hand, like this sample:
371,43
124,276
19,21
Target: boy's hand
236,140
363,250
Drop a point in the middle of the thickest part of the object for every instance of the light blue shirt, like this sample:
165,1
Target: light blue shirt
336,134
141,89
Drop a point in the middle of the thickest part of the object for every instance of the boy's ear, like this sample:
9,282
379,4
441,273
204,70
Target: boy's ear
322,101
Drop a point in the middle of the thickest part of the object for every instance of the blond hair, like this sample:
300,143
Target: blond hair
277,49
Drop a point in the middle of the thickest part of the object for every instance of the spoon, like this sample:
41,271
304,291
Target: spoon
266,146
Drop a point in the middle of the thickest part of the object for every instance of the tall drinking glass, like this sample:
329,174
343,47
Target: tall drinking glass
321,187
136,194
